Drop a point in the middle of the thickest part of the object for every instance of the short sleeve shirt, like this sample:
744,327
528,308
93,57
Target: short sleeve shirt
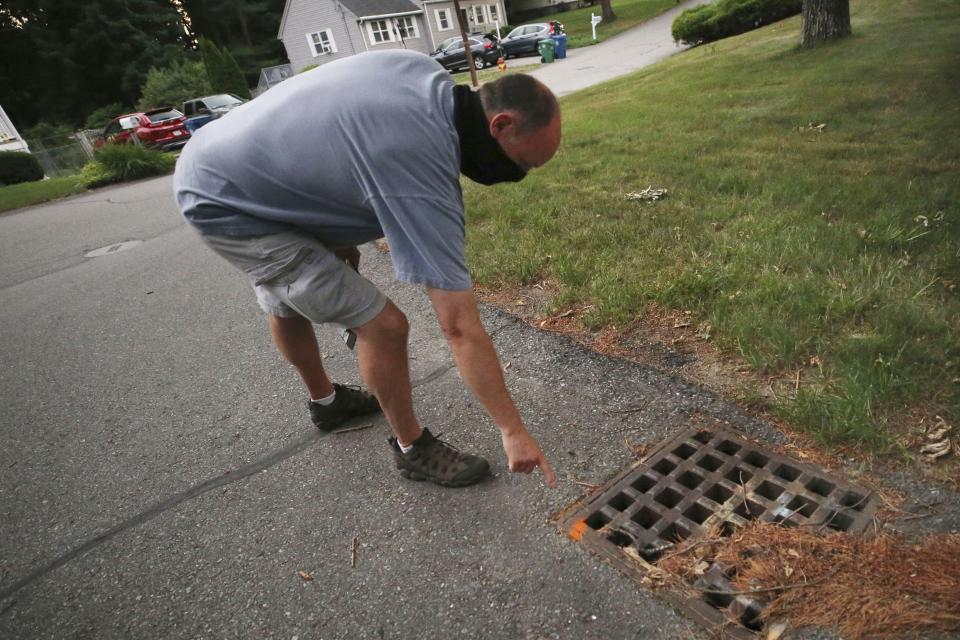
357,149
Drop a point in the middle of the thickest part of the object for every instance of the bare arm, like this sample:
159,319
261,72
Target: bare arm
477,362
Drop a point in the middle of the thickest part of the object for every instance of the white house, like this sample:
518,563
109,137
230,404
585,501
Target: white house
320,31
10,139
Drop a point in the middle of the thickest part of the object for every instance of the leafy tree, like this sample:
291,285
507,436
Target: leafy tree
64,59
824,20
174,84
247,27
100,117
47,135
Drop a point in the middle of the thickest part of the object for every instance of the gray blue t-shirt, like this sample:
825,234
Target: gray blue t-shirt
357,149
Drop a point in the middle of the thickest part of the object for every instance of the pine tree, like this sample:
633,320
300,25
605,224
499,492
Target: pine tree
234,81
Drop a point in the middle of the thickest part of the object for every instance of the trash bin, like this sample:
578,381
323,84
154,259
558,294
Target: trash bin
560,46
546,48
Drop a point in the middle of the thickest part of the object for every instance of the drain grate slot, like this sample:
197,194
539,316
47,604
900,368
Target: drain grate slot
704,479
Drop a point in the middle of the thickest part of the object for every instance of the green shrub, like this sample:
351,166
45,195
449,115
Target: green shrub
170,86
17,167
94,174
726,18
125,162
99,118
308,68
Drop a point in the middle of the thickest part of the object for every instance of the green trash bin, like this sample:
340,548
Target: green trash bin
546,48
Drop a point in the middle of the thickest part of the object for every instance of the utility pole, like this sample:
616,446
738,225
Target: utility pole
466,44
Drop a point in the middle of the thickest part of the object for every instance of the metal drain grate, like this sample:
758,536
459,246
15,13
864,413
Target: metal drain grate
711,477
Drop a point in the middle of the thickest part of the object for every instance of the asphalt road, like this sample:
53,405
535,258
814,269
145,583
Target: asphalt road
131,380
159,477
624,53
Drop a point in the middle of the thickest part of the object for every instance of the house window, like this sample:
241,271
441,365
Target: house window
321,42
443,19
407,27
494,14
477,15
380,31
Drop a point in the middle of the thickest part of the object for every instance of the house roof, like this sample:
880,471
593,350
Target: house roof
367,8
362,9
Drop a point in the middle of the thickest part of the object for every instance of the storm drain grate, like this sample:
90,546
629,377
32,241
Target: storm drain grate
708,478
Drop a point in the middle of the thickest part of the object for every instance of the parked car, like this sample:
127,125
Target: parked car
453,55
200,111
523,40
163,129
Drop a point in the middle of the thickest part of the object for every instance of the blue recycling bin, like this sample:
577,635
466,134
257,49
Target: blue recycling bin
560,47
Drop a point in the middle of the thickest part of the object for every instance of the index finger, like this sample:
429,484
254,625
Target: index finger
547,471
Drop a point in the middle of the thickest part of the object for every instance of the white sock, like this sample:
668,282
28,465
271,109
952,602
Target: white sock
325,402
404,449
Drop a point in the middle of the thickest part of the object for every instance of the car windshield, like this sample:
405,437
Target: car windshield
160,116
222,100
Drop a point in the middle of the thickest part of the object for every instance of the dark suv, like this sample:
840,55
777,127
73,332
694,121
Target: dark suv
523,40
452,54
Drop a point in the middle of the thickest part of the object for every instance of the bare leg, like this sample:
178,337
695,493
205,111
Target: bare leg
297,342
382,354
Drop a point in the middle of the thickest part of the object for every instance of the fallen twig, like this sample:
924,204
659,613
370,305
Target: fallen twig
619,412
748,592
583,484
359,428
353,553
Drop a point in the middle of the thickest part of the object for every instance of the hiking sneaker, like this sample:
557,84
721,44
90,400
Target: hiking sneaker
435,460
350,402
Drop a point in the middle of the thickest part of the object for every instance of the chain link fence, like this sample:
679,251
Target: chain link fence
64,156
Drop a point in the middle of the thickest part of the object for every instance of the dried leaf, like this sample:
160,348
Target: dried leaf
306,577
774,631
507,366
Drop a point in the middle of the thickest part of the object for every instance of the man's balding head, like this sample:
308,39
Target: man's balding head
524,118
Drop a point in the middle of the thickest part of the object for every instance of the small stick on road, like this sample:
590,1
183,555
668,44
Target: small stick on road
353,553
360,428
583,484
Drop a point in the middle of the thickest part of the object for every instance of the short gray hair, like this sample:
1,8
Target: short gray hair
530,100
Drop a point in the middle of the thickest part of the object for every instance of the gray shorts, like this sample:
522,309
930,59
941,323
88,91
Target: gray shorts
293,274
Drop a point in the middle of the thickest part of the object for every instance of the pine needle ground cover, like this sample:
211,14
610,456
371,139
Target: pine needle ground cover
811,217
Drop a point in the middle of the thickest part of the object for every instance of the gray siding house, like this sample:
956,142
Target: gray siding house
320,31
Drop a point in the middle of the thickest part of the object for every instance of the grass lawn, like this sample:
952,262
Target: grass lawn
834,249
27,193
630,13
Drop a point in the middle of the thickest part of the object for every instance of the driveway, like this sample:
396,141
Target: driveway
635,49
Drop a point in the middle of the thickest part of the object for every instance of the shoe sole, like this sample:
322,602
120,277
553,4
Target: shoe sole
327,427
416,476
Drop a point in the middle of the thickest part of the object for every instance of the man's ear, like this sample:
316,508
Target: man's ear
502,124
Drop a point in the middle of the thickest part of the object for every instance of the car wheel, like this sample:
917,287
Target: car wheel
479,63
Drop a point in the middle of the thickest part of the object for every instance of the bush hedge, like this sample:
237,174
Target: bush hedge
726,18
122,162
17,167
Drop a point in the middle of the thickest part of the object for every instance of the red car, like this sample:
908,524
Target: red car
162,129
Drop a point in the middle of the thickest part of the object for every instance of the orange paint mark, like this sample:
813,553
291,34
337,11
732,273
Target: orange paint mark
576,531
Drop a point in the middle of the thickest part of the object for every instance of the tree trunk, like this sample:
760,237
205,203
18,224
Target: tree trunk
824,20
607,7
